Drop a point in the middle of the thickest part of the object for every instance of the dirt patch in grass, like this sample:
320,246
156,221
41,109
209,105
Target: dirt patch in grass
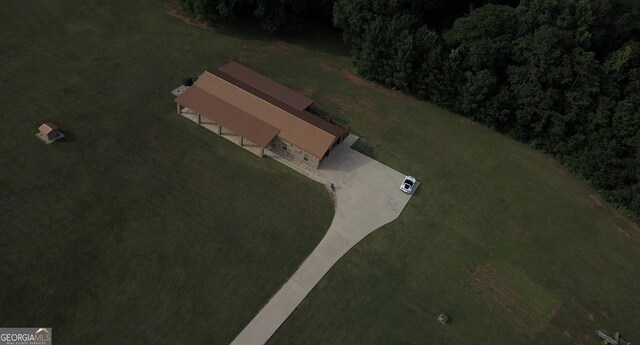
634,226
371,85
322,63
594,198
245,54
171,8
622,232
486,283
285,48
349,106
359,81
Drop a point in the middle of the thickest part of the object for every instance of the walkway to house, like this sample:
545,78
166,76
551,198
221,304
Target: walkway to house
368,196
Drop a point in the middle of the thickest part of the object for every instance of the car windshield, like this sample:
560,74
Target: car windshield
408,183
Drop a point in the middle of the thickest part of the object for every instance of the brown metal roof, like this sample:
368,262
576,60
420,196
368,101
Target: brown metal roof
301,114
320,123
46,128
266,85
292,128
215,109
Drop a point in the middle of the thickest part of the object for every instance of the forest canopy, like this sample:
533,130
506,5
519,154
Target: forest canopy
560,75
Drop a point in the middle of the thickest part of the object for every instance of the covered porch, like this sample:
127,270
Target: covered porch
222,131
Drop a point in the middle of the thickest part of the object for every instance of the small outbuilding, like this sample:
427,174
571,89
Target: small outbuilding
49,132
443,318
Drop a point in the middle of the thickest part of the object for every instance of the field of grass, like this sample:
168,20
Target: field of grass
129,224
142,228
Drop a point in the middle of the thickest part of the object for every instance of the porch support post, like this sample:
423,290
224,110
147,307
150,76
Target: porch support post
241,141
219,129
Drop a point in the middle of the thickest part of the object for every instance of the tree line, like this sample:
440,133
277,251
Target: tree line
272,15
561,75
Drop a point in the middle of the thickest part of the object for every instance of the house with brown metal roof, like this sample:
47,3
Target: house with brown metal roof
258,113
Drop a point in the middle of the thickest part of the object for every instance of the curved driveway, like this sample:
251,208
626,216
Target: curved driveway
367,197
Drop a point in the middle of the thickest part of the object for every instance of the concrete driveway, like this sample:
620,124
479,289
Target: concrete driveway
368,196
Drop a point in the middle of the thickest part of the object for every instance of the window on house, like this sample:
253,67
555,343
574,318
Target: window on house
284,146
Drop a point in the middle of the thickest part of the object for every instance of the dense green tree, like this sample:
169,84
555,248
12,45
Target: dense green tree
436,76
615,23
381,35
484,38
272,15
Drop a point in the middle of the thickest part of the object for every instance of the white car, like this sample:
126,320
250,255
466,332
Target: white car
408,184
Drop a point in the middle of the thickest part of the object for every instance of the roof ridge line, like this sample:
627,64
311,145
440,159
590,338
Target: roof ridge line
275,105
267,102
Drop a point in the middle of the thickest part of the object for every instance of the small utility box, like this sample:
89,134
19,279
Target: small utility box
443,318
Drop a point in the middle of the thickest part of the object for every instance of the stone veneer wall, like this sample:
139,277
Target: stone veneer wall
293,153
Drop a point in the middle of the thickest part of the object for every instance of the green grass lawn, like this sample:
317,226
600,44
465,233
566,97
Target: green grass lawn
144,228
141,228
